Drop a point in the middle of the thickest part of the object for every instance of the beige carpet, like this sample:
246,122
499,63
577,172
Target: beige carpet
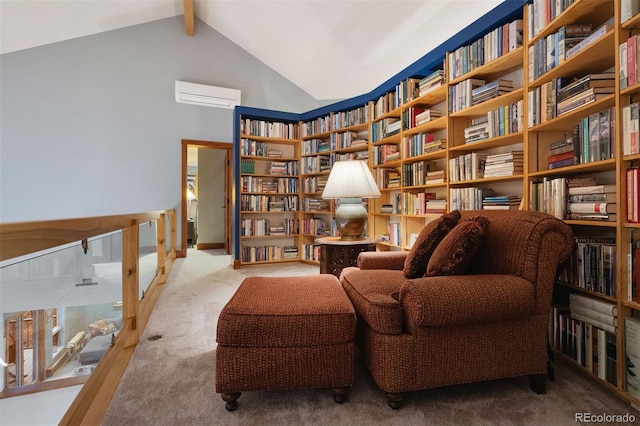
170,381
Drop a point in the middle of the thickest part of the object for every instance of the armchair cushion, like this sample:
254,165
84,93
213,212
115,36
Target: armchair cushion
415,264
372,293
457,249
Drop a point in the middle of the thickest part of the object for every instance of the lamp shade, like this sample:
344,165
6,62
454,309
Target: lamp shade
350,179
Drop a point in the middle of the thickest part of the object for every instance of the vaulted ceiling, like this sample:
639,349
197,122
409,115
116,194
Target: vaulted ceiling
332,49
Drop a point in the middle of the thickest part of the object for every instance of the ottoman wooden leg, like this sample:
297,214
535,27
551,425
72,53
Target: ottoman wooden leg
231,400
340,394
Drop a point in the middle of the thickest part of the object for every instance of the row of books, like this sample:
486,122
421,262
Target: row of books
629,53
592,139
316,164
316,226
311,252
470,198
385,128
575,335
542,12
352,117
416,204
310,204
270,185
247,166
289,168
342,140
393,235
502,40
630,129
416,116
263,203
594,265
421,173
314,184
422,143
550,51
385,154
501,121
264,226
577,198
268,253
317,126
251,127
315,146
564,94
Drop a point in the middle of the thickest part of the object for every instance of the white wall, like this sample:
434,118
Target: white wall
90,126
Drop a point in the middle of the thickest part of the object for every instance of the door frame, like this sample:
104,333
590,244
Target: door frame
228,147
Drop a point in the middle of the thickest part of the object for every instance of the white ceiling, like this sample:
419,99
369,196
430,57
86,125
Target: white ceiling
331,49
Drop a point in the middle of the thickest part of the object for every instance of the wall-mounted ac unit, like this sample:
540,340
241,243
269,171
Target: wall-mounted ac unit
204,95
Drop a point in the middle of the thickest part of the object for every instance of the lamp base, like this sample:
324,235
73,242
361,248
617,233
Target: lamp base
351,219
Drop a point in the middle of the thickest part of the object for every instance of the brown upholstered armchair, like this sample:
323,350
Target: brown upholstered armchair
489,323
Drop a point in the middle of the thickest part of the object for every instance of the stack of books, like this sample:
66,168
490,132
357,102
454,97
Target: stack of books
584,90
431,82
426,116
501,202
561,154
434,176
491,90
597,34
291,252
478,130
592,202
436,207
507,164
569,36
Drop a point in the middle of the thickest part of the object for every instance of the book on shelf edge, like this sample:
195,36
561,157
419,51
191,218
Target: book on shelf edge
591,189
595,304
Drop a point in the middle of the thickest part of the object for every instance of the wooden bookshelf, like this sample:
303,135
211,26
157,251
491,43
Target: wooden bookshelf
533,138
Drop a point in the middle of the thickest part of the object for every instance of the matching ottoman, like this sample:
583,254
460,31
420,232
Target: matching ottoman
285,333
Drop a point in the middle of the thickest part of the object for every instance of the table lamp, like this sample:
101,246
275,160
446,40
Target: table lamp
350,181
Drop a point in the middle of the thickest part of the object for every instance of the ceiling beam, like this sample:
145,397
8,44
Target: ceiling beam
188,17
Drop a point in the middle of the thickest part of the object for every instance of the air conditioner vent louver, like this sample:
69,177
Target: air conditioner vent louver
204,95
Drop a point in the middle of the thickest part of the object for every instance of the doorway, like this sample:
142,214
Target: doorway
206,188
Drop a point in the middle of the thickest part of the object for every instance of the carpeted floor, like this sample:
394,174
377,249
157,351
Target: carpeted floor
170,381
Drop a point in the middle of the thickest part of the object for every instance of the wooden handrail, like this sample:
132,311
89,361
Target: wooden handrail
24,238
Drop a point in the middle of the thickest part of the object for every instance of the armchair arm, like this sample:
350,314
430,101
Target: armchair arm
465,299
382,260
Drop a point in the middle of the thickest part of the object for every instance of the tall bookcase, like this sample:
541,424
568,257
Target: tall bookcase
269,155
528,120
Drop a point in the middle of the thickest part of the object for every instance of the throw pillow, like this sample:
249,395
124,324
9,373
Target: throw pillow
457,249
415,265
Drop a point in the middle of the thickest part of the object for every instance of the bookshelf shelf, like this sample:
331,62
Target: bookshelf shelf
489,105
494,69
